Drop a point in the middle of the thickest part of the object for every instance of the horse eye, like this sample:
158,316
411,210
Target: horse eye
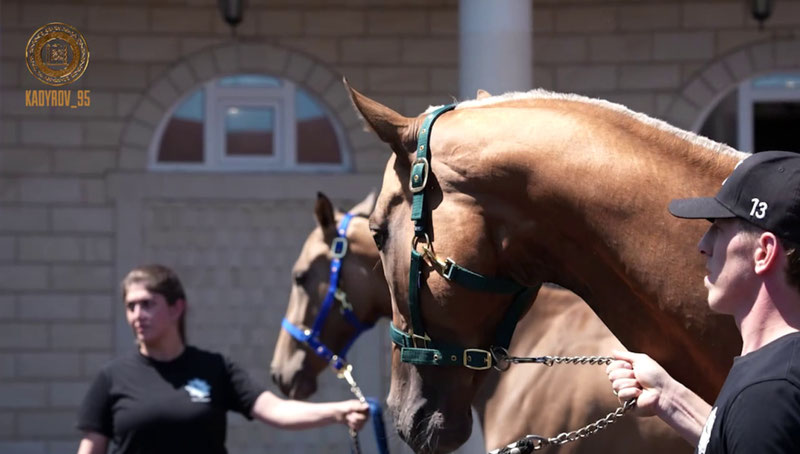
379,236
299,277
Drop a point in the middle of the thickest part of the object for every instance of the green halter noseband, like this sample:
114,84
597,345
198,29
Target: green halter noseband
417,347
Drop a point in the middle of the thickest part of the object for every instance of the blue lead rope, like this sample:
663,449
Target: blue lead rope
376,413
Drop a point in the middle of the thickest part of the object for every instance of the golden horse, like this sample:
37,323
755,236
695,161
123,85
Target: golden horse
524,399
544,187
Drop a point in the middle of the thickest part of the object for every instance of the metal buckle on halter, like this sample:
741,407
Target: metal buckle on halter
339,247
487,356
425,339
419,175
447,268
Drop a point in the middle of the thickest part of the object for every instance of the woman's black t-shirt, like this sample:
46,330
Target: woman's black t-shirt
148,406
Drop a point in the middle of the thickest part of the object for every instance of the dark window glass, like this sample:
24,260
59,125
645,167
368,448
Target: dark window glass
182,140
316,136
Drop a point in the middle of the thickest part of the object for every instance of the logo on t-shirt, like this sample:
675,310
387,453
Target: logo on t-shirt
706,435
199,390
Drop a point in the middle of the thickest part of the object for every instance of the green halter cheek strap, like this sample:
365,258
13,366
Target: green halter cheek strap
437,353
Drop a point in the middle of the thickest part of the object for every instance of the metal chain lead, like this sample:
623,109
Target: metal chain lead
347,374
532,443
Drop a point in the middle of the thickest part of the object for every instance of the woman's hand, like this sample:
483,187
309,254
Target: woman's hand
353,413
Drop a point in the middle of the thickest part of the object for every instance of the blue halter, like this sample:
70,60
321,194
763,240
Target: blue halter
310,337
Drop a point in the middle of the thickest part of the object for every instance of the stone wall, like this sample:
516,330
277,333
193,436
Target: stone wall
78,205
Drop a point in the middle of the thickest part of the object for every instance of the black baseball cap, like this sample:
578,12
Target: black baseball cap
763,189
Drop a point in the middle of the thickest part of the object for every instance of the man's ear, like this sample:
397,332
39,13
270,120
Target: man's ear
768,253
178,309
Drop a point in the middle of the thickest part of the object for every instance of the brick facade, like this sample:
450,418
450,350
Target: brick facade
78,206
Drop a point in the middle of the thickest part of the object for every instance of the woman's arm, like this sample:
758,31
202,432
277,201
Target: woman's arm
293,414
93,443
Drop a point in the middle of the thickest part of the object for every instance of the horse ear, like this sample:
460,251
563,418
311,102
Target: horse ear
391,127
365,207
323,211
482,94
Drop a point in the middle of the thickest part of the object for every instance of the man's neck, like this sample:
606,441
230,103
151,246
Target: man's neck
163,349
774,314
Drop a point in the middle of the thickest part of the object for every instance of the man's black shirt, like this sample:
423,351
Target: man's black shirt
758,408
148,406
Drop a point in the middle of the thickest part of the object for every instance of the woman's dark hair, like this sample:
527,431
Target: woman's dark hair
162,280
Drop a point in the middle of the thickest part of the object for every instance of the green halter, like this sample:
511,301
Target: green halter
416,347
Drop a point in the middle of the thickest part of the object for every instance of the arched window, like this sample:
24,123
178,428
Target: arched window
249,122
761,114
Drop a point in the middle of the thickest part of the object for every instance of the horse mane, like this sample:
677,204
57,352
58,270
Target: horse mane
542,94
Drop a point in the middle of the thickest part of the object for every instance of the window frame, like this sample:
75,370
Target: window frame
218,99
748,96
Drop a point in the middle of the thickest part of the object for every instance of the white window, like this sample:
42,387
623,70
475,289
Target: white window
762,114
249,122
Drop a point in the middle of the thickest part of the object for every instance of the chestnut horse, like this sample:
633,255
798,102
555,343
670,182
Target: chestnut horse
529,188
509,404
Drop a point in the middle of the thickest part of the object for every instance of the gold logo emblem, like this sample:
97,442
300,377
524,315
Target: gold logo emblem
57,54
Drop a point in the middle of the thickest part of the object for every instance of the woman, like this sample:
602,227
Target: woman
167,397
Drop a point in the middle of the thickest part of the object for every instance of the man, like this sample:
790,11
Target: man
753,263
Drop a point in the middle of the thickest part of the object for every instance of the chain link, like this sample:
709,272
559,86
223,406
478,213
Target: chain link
346,373
532,443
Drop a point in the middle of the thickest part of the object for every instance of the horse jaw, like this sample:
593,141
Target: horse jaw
426,417
291,370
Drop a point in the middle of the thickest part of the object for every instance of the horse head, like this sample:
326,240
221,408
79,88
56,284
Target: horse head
337,291
509,192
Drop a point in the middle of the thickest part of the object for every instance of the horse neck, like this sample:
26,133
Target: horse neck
594,220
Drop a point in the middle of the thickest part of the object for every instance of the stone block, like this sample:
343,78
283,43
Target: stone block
763,56
683,46
48,365
280,23
138,134
23,335
203,66
583,79
24,161
227,59
718,77
323,49
148,49
23,395
182,20
71,161
699,93
83,219
116,75
621,48
49,249
581,19
730,40
46,423
93,361
67,393
98,249
9,73
98,307
444,79
335,23
117,19
443,22
648,17
560,49
263,57
52,132
22,219
8,133
8,310
787,54
6,424
371,50
431,51
48,306
783,14
83,277
638,77
740,65
44,190
192,46
710,15
23,447
182,78
35,15
7,367
7,248
398,79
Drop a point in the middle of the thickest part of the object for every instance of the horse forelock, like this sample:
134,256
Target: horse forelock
542,94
